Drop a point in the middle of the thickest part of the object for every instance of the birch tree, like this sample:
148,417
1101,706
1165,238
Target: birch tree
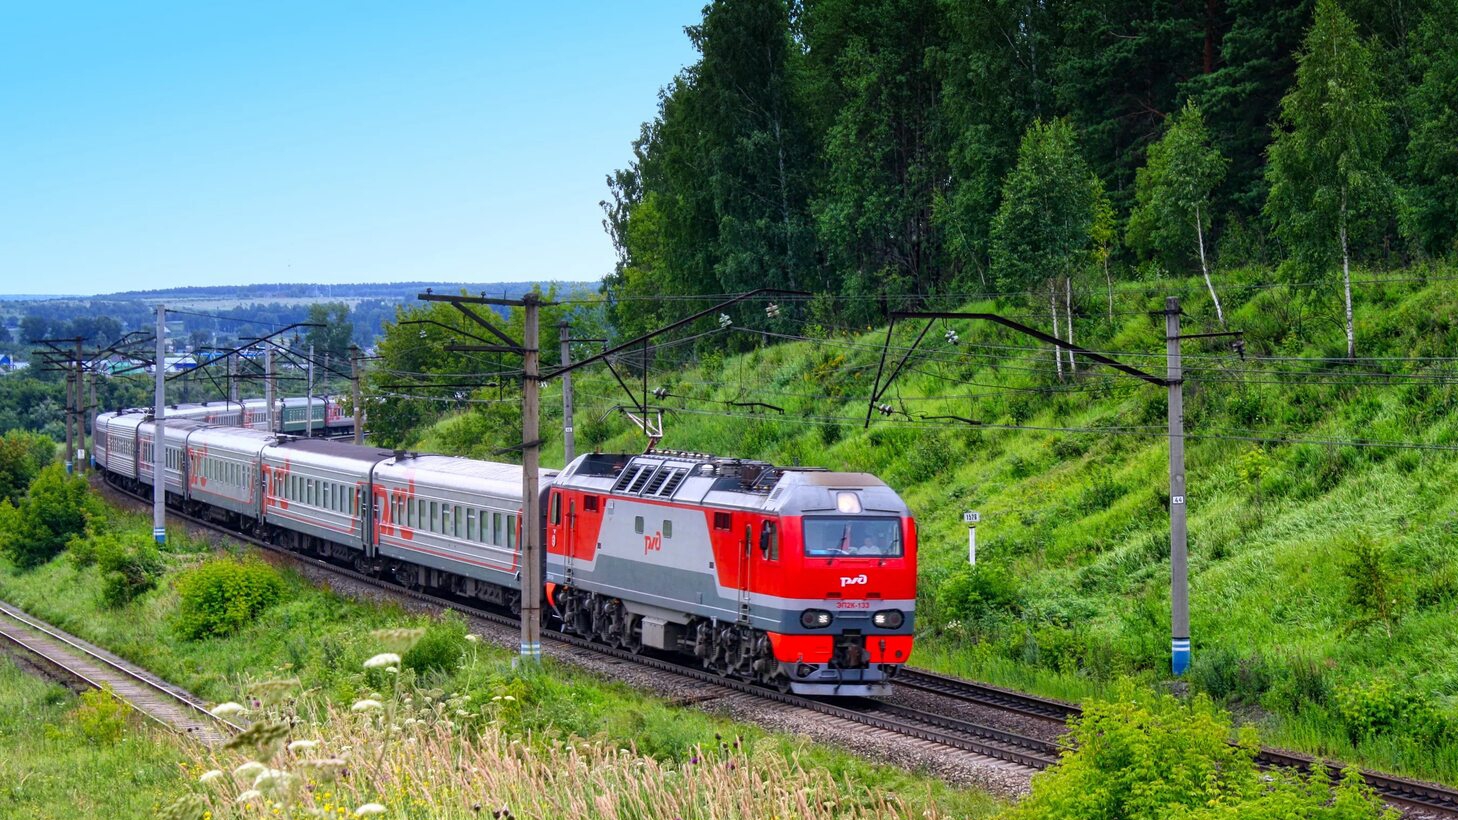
1328,186
1172,193
1041,234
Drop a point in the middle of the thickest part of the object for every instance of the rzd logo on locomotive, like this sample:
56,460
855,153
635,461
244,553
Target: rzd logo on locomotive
652,543
852,580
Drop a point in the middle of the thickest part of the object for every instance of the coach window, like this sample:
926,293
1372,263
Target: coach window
511,531
435,516
471,531
460,525
498,529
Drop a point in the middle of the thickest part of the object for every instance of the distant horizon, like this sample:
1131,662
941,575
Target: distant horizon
35,297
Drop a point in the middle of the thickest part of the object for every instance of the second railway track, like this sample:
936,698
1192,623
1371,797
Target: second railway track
153,698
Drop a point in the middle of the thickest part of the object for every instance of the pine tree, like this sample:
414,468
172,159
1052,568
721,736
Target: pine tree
884,165
1328,184
1172,194
1430,218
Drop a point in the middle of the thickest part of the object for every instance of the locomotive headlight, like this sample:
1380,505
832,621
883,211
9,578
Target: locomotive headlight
814,619
888,618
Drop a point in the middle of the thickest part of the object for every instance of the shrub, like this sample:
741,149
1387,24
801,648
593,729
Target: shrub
55,510
22,455
1161,758
223,595
1375,590
440,648
1380,707
1230,676
130,565
978,592
101,716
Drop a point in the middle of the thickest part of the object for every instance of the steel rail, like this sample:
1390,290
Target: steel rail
169,692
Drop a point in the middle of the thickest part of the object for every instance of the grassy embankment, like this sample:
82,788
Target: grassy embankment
1071,591
60,757
322,639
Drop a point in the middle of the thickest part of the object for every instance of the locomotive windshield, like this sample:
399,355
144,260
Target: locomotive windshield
833,537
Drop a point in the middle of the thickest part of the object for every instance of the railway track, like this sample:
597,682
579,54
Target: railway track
150,696
1028,753
997,697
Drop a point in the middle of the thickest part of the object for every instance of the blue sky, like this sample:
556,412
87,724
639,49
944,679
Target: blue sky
151,144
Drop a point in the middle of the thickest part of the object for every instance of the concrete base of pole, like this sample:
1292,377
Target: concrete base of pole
1179,656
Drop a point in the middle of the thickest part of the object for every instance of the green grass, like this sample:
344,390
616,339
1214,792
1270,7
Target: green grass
322,639
1079,523
49,768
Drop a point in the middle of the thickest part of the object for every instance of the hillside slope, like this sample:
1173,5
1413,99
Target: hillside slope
1324,575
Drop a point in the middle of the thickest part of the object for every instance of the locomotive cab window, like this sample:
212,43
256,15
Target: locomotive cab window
769,541
589,503
556,508
638,524
852,536
667,528
721,521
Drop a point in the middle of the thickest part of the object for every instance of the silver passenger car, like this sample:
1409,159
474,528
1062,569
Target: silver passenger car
453,514
175,463
223,468
319,488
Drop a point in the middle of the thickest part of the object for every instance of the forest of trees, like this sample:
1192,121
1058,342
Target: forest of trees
932,147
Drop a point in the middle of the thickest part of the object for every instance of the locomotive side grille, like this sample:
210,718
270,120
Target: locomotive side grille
660,478
672,483
644,474
626,478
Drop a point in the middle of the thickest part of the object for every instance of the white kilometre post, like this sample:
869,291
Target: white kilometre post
970,518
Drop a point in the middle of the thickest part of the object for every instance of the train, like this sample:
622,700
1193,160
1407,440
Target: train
798,578
290,415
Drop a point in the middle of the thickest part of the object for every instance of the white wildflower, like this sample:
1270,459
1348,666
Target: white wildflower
382,659
249,770
251,794
366,705
473,638
226,710
270,780
393,670
369,810
210,775
508,697
303,745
